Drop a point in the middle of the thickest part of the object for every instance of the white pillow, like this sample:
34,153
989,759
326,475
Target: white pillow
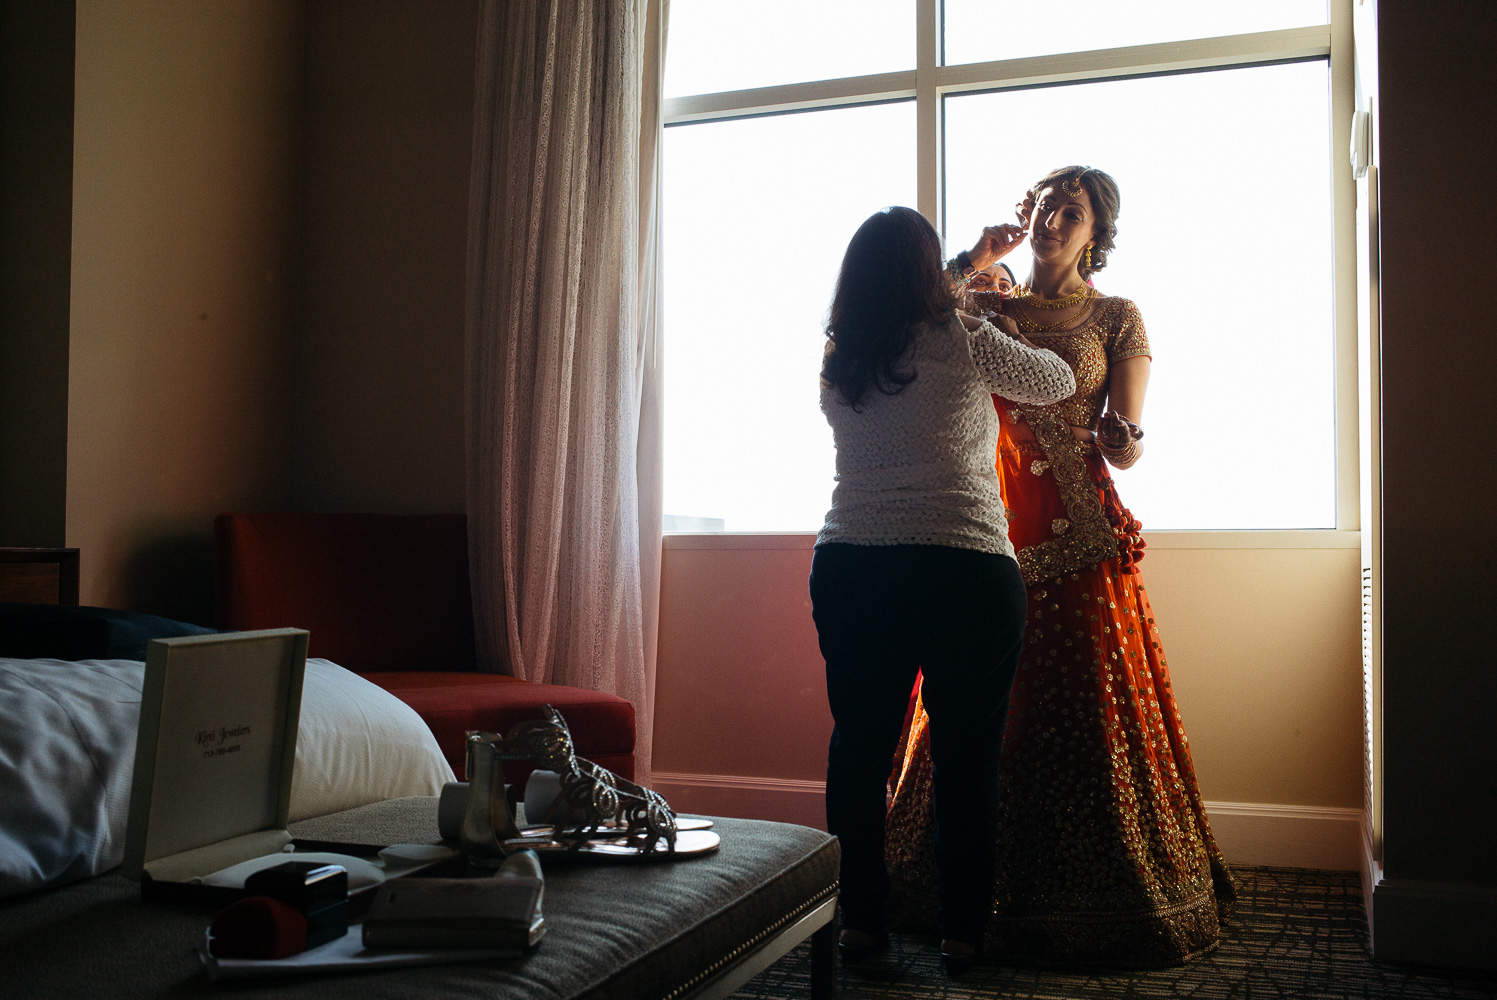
357,743
67,753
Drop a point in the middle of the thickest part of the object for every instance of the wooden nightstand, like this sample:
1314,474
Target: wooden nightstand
39,576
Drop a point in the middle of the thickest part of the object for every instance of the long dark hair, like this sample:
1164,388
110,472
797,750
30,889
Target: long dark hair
892,279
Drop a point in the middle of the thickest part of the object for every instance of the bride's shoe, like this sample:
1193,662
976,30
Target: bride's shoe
595,812
487,821
957,956
855,945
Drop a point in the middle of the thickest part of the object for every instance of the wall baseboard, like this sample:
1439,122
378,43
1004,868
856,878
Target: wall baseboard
1282,836
1372,874
1451,925
783,800
1248,833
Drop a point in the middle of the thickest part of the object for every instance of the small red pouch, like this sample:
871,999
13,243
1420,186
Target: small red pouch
257,927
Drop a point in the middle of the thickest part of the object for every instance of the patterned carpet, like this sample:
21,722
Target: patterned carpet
1297,934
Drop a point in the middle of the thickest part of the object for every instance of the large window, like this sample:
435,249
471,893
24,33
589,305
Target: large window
751,252
1215,119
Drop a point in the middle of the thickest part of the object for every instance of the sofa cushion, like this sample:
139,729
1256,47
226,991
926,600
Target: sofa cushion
377,591
621,931
614,931
59,632
453,703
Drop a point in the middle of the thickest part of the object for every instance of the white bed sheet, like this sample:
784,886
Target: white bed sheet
67,753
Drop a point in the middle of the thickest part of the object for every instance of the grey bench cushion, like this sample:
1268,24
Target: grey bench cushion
618,930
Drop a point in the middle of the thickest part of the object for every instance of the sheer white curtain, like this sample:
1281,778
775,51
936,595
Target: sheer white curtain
562,395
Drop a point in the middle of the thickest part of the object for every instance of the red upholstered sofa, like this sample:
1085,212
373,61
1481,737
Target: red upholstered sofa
387,596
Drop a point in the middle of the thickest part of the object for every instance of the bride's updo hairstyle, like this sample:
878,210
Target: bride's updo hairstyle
1103,191
892,279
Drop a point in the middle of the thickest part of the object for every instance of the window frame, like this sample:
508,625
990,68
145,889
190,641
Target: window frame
929,82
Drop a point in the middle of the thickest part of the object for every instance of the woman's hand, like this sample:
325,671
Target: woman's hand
1009,327
1025,209
995,243
1115,431
1005,324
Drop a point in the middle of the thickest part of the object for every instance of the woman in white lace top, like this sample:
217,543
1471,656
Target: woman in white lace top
913,568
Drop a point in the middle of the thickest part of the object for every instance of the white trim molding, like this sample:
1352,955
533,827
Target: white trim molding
1288,836
1164,538
1447,924
784,800
1248,833
1034,71
1372,874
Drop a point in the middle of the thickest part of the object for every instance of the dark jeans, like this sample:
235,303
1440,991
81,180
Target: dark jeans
882,613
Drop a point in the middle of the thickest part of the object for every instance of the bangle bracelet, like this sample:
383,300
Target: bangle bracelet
959,268
1119,456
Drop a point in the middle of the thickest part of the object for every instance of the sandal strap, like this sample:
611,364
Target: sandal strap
591,795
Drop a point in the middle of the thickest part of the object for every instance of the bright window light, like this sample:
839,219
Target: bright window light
986,30
715,46
757,216
1225,238
1224,242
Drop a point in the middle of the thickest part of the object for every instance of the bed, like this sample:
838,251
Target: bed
68,728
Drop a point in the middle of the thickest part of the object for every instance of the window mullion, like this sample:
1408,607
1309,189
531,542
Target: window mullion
1139,60
788,97
1344,274
928,168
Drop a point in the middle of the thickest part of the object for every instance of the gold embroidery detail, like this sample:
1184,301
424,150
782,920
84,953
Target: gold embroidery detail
1039,466
1114,331
1092,538
1059,525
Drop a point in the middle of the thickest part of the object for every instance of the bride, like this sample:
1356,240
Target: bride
1105,856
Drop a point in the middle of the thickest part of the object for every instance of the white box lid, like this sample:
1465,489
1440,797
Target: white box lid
215,753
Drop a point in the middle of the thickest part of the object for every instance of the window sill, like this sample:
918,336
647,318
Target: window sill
1245,539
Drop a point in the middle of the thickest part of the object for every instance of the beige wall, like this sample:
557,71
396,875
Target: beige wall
379,378
1265,652
739,685
267,268
1264,647
185,199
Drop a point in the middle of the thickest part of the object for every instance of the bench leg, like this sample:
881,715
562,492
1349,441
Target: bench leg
824,962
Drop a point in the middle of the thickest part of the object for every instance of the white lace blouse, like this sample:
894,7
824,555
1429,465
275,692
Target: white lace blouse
916,467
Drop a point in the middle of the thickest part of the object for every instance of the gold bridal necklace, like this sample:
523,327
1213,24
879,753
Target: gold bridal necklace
1030,300
1033,301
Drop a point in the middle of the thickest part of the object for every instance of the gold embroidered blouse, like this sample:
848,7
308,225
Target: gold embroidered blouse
1114,331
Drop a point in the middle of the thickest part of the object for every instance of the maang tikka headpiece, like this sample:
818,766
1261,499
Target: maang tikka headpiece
1072,186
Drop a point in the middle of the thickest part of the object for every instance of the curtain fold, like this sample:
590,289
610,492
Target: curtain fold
649,462
560,345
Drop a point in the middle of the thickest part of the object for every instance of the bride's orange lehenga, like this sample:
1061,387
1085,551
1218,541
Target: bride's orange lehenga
1105,856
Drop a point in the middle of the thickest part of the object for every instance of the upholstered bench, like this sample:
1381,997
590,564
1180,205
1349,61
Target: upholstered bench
698,927
387,596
